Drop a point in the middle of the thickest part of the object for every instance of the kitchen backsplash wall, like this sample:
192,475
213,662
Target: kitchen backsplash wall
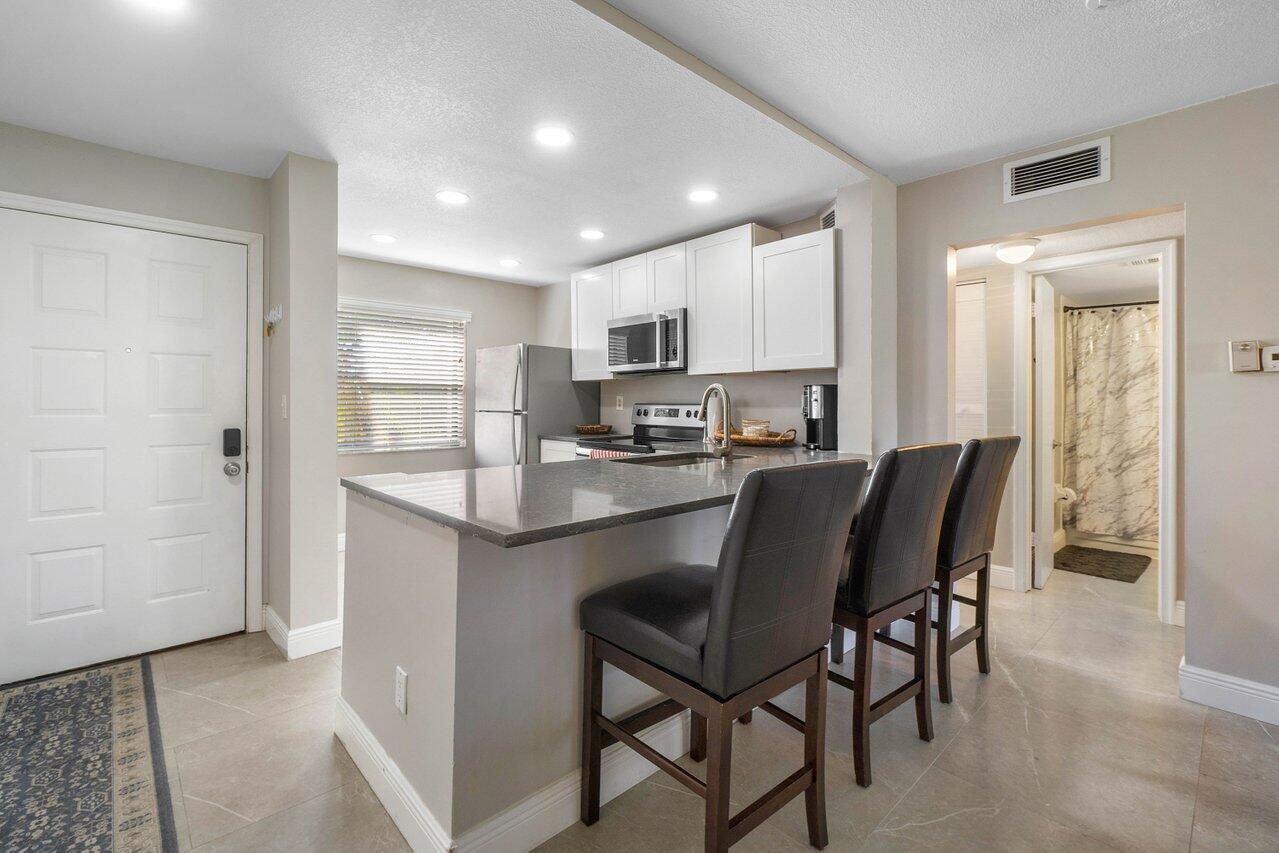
774,396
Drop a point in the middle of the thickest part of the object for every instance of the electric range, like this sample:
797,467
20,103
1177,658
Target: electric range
656,428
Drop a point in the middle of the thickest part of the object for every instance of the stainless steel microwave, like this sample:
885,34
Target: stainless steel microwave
648,342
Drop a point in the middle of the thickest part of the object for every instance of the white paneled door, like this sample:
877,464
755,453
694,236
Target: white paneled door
123,360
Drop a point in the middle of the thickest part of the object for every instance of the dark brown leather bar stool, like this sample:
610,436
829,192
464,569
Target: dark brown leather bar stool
967,538
890,562
723,640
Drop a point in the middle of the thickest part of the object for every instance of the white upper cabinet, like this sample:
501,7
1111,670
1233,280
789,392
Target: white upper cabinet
720,295
630,286
666,279
591,295
794,302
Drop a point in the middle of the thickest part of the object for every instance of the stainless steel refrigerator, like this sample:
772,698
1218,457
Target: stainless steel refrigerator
522,392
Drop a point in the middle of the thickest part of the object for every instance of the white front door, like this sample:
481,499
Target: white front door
1045,431
122,359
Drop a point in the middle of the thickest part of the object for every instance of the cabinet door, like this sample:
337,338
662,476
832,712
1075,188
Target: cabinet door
794,302
667,274
720,329
591,293
630,287
558,451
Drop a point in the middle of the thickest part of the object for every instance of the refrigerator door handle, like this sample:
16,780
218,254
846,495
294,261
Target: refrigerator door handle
518,438
515,389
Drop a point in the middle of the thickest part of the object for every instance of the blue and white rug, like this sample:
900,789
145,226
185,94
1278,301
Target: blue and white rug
82,763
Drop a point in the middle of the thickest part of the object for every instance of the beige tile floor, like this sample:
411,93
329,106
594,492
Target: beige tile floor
1076,740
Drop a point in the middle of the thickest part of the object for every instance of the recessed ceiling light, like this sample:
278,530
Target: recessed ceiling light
452,197
703,196
592,234
509,262
1016,251
382,238
553,136
167,6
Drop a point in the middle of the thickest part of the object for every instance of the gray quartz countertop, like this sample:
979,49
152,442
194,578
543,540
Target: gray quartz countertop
519,505
608,436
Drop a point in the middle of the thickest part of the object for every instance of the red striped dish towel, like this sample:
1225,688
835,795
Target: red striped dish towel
609,454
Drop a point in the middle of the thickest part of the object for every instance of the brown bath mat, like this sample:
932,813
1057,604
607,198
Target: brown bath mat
1111,565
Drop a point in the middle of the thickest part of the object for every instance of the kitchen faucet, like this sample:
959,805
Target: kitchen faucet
726,409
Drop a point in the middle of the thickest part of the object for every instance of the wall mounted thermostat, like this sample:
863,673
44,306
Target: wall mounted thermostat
1270,359
1245,356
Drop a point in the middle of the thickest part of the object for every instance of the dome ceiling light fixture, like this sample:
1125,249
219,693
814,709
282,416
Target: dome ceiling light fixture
1016,251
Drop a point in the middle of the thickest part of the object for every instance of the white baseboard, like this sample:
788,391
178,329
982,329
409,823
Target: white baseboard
1179,614
1230,693
300,642
535,819
414,820
341,542
1001,577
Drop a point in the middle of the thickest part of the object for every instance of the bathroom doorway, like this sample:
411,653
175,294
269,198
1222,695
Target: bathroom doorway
1099,334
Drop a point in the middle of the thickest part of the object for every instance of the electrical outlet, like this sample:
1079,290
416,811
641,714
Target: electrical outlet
284,407
401,690
621,403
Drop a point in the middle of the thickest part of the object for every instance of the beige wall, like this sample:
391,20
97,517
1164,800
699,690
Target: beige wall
501,313
302,583
1213,158
554,315
58,167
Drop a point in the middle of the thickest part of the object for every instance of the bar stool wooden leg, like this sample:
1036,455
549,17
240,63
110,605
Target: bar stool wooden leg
983,612
745,719
815,754
836,643
697,736
592,734
924,699
863,656
945,597
719,770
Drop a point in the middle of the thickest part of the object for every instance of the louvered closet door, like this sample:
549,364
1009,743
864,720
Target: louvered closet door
123,356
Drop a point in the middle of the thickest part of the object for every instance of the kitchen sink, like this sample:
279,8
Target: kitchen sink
676,460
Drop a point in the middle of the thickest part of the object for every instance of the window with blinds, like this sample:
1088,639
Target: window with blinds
970,360
401,377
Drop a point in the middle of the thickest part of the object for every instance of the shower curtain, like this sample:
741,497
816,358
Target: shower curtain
1111,420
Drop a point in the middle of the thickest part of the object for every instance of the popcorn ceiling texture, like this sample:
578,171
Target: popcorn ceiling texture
919,88
411,97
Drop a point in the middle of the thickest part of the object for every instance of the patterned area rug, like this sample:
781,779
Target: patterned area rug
82,764
1101,564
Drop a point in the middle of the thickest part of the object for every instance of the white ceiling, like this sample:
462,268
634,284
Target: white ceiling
922,87
411,97
1127,232
1107,283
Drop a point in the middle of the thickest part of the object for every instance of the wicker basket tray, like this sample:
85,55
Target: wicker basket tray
773,439
593,429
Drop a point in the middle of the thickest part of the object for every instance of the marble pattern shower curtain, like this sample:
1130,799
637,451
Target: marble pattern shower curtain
1111,420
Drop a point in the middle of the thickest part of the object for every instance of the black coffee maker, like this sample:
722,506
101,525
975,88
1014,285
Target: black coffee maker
820,411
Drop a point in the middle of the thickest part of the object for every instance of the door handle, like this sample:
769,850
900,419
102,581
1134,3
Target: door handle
231,469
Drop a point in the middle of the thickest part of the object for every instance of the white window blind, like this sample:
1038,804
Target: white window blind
401,377
970,360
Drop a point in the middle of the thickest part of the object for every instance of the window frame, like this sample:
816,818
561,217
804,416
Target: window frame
402,311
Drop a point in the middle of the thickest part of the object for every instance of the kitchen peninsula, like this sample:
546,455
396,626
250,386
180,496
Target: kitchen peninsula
468,581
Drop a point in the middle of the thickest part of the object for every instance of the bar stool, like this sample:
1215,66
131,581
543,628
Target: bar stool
723,640
890,562
967,538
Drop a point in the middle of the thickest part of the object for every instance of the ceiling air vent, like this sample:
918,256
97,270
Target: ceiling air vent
1063,169
828,218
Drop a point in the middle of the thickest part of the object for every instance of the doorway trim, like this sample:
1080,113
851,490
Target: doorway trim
253,340
1169,407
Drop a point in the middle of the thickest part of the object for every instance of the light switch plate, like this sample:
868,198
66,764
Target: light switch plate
1245,356
1270,359
401,690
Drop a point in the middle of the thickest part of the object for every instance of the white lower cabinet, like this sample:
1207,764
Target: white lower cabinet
558,451
591,299
794,302
721,322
